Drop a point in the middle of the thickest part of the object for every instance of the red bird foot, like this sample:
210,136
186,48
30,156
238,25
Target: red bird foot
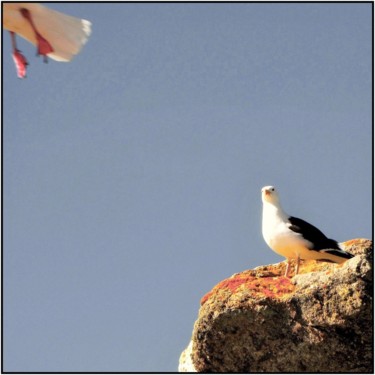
44,47
18,58
20,62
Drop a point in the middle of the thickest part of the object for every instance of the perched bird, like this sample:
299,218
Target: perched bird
55,34
294,238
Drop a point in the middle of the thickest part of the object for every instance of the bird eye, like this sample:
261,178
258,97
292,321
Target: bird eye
273,189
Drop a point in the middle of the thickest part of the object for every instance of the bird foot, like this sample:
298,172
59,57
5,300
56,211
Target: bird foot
18,58
20,62
44,48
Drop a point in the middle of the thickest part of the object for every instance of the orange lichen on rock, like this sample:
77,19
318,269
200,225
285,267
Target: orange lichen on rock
272,287
265,281
232,283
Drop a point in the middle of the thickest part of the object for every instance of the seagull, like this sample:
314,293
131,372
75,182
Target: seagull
55,34
295,238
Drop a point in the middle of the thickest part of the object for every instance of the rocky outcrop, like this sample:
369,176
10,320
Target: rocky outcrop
260,321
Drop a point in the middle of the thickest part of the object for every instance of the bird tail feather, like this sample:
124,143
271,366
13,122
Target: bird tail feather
341,253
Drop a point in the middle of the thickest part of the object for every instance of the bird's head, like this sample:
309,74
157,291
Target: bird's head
269,194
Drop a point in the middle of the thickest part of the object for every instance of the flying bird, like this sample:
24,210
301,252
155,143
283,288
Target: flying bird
295,238
55,34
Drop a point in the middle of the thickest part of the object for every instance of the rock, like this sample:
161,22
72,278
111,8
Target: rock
260,321
186,364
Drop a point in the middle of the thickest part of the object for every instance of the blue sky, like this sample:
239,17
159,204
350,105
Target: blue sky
132,175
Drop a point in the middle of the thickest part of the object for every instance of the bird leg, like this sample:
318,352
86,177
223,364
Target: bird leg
13,40
287,268
43,46
18,58
297,266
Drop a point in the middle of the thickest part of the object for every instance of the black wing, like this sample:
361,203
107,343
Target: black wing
312,234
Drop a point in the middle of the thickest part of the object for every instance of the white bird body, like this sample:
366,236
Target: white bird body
66,34
294,238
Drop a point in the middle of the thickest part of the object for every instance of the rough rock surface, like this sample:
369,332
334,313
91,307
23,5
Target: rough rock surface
260,321
186,362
